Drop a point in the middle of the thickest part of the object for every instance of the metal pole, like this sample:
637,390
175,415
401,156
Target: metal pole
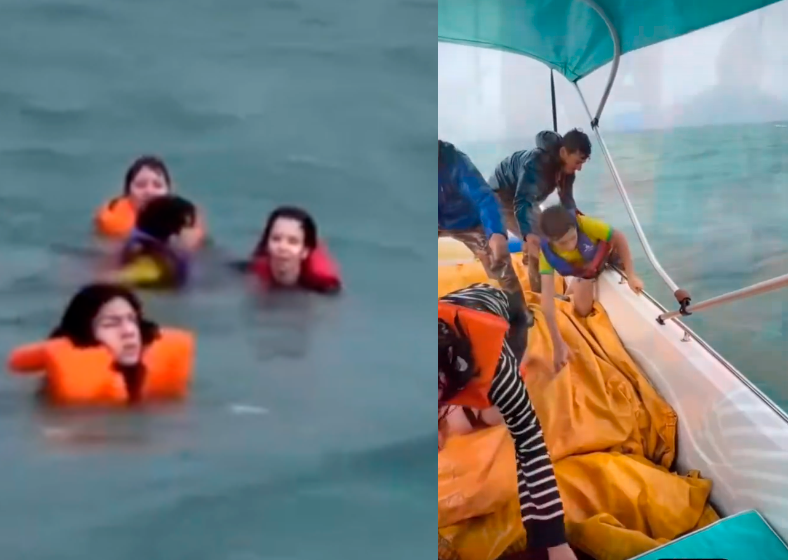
552,97
682,296
614,66
750,291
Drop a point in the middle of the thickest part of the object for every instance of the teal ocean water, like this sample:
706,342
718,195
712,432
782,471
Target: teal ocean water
712,202
310,431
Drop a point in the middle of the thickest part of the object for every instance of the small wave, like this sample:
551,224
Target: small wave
696,156
65,13
248,409
55,115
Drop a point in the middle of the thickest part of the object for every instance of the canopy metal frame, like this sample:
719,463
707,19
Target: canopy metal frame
682,296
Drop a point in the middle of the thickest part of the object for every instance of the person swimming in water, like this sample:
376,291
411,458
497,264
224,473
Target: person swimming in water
290,254
158,252
147,178
104,351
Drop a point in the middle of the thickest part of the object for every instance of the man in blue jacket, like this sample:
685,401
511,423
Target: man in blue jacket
469,212
526,178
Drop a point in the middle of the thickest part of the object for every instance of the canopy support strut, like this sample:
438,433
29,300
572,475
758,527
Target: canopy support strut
614,65
682,296
552,97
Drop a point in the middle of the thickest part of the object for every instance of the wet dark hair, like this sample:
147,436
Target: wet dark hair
151,162
77,326
293,213
165,216
454,343
556,221
577,141
77,322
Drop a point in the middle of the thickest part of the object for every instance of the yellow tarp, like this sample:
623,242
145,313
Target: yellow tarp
610,434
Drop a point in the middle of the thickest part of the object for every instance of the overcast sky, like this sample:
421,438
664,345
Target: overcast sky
736,71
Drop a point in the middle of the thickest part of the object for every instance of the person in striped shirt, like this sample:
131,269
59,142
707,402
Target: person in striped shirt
480,348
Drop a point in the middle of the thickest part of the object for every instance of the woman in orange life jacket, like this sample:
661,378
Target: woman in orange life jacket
105,352
481,342
146,178
289,254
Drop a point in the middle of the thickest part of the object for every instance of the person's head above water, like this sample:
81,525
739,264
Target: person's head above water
289,237
109,315
165,217
575,150
146,178
559,226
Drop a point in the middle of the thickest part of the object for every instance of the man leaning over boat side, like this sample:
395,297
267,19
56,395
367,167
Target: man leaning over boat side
468,211
526,178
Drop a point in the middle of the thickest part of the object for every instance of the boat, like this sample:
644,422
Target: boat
728,430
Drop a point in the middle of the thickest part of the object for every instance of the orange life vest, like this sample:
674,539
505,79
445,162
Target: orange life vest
118,217
85,376
486,332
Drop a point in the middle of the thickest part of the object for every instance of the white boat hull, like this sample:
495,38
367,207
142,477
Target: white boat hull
728,430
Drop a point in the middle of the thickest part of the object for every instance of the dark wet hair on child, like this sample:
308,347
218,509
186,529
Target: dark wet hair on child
455,358
166,216
292,213
556,221
151,162
77,322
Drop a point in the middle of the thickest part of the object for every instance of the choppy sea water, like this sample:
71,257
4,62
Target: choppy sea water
712,202
310,431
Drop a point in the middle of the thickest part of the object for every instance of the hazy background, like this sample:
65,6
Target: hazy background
733,72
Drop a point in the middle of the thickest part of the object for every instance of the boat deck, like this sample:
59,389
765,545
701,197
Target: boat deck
614,455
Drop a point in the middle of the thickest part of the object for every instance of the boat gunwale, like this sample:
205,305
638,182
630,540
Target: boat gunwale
688,332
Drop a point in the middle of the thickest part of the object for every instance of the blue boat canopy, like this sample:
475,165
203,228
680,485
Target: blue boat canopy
572,36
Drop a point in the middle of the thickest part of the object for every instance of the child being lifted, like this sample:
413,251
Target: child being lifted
577,247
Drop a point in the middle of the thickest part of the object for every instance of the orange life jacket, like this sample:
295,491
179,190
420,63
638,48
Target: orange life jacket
486,332
85,376
118,217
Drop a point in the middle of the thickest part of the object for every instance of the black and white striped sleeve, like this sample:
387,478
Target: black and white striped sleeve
540,503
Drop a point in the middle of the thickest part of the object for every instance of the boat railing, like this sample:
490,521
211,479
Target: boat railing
770,285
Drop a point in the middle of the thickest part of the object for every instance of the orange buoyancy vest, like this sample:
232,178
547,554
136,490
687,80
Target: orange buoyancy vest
486,332
118,217
85,376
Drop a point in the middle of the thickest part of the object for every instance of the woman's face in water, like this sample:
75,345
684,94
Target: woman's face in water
286,247
146,185
116,326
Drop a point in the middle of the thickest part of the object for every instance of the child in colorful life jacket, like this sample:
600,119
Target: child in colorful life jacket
577,247
157,254
289,254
